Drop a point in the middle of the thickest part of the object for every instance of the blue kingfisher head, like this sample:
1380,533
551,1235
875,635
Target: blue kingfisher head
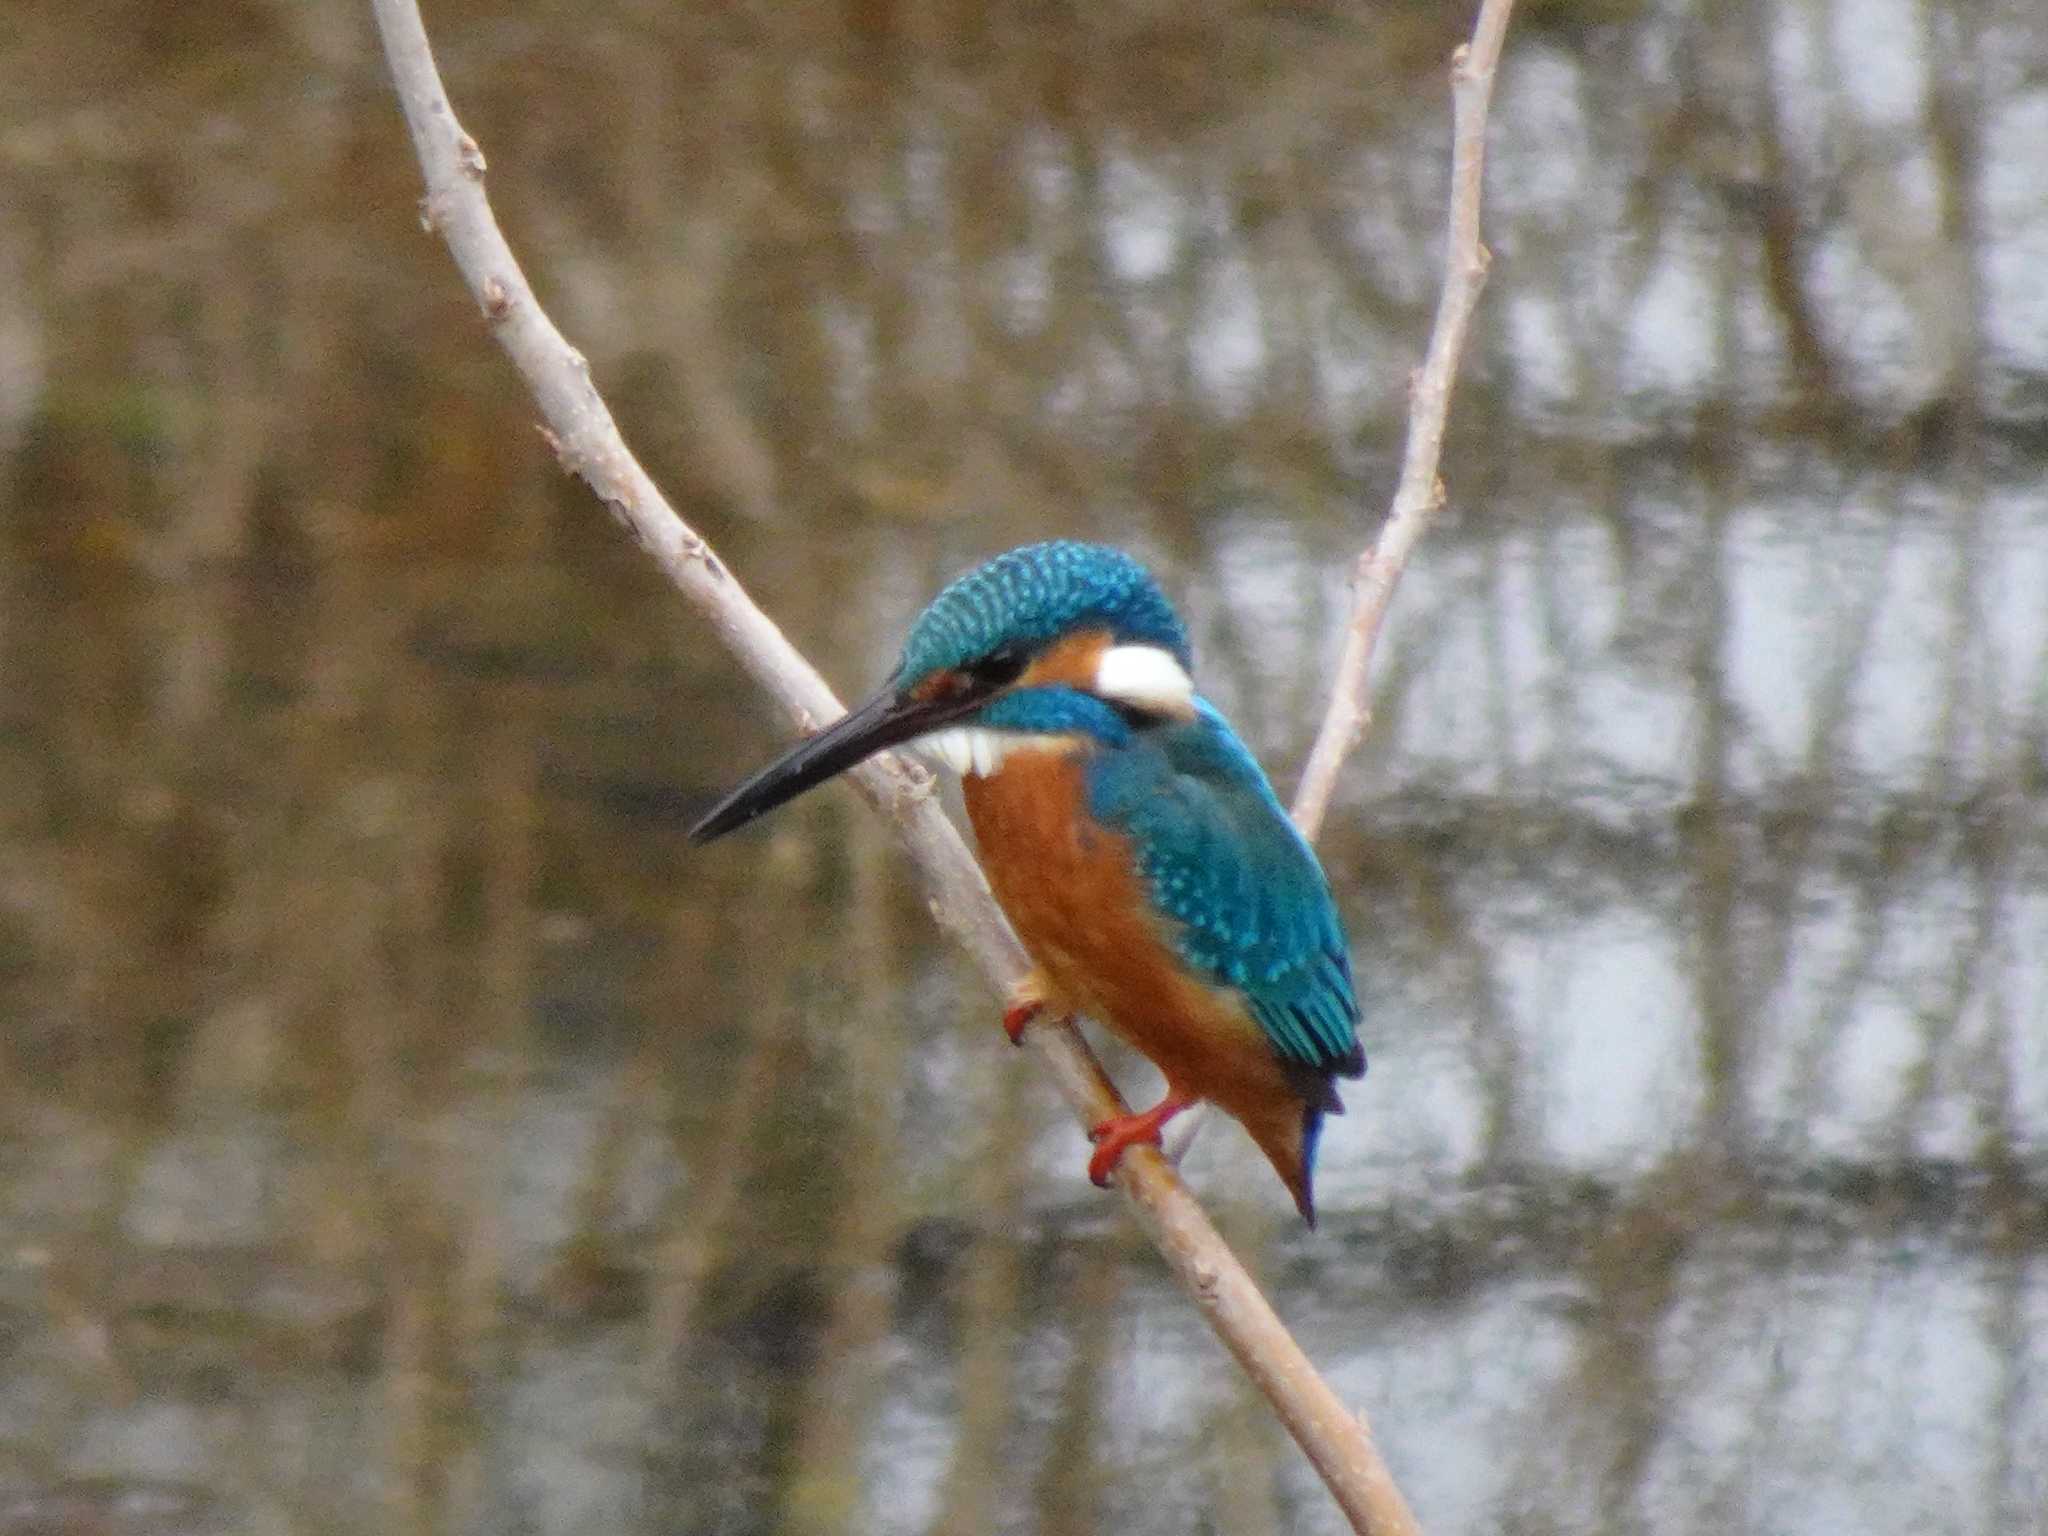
1051,644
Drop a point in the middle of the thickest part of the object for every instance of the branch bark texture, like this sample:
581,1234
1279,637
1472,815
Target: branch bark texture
587,441
1420,494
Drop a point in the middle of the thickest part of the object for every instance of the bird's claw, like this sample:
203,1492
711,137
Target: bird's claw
1027,1001
1104,1160
1114,1136
1018,1015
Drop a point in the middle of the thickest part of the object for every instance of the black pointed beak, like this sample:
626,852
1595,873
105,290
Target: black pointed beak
887,720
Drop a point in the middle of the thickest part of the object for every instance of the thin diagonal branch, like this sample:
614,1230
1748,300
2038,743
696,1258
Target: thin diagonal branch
588,443
1420,495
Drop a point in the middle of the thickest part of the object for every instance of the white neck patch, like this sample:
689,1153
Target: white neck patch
978,751
1147,678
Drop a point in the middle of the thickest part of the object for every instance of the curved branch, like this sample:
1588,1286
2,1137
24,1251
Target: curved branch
1420,495
587,441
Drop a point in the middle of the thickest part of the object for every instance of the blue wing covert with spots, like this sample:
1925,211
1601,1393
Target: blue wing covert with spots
1224,862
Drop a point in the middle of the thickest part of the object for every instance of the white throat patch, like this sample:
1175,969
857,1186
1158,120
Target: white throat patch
979,751
1147,678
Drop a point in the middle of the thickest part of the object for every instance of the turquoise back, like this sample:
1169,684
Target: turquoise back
1249,899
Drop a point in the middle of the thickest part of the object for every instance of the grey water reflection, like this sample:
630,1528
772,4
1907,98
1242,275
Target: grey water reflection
405,1130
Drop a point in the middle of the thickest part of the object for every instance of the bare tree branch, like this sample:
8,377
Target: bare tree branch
1420,494
587,441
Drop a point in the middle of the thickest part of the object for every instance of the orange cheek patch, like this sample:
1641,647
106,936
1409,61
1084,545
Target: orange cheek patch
940,685
1071,660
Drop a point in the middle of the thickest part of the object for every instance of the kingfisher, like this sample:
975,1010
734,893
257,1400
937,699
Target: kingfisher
1128,834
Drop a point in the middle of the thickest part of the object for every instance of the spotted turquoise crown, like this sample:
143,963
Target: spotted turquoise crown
1031,596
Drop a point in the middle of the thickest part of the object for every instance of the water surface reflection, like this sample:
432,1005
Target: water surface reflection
405,1130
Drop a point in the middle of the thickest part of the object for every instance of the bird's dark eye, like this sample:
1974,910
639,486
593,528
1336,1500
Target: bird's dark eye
999,668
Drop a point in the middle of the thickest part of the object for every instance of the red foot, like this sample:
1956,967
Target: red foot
1017,1015
1112,1136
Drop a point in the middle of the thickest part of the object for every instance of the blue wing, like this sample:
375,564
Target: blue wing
1224,862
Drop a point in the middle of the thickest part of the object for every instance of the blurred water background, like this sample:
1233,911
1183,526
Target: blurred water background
403,1130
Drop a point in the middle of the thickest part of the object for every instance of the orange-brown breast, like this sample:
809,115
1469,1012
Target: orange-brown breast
1073,893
